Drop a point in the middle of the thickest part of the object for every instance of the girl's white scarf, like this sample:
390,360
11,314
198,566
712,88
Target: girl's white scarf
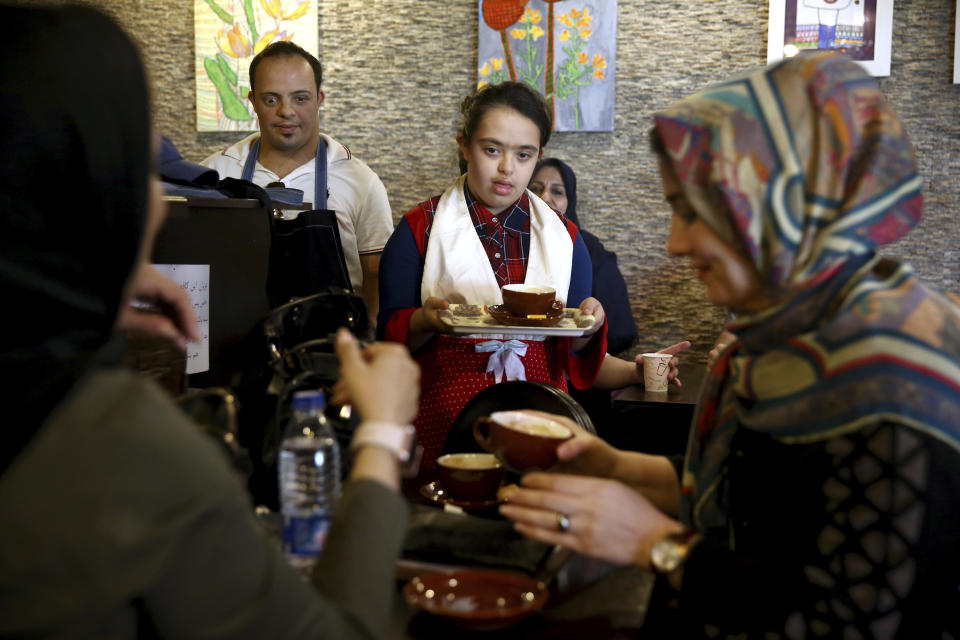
457,269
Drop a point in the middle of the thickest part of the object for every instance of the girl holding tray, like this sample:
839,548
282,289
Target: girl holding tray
484,232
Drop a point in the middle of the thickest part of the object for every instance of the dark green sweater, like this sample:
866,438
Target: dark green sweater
121,520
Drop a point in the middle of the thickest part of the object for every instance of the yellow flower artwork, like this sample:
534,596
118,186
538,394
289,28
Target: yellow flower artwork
233,42
272,7
227,34
565,49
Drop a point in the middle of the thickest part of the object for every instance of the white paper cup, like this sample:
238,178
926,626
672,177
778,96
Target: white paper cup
656,366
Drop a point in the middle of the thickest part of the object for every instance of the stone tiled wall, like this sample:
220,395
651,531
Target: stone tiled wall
395,71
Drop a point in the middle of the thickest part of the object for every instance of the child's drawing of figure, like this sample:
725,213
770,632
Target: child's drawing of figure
829,24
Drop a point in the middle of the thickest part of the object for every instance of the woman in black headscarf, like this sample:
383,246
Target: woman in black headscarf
554,181
608,285
119,518
73,188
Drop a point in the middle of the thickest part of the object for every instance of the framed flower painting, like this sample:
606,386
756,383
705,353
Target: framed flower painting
565,49
956,46
227,34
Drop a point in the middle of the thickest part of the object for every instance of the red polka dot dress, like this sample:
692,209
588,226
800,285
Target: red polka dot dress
476,252
458,372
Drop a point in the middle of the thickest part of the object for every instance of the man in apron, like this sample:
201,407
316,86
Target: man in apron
289,149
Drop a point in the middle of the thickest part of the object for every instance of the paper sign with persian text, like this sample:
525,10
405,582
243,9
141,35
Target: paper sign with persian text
195,280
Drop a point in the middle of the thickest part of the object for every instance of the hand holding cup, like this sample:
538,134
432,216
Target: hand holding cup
521,440
656,367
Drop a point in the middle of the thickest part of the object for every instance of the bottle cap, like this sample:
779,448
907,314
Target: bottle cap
309,401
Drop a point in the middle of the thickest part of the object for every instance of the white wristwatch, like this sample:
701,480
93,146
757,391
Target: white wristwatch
400,440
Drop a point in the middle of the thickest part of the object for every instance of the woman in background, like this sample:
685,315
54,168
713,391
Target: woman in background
556,184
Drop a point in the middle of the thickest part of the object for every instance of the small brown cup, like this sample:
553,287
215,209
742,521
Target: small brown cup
470,476
524,300
520,441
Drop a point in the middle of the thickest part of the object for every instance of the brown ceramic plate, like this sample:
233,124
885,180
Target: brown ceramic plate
477,598
502,315
434,492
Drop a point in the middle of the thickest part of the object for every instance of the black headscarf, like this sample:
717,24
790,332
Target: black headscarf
569,185
74,167
608,284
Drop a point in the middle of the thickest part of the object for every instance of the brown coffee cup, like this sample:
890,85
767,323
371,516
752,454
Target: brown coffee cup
470,476
524,300
522,442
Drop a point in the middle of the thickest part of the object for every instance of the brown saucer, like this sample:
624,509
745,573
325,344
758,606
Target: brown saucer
477,598
503,316
434,492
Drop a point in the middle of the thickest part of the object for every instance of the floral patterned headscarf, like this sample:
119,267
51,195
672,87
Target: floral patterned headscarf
805,168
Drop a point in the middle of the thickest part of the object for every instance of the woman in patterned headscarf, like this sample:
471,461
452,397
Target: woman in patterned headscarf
815,498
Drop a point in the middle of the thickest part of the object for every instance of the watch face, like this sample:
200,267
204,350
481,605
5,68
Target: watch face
666,555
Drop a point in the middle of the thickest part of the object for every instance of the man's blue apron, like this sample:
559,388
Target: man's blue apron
306,255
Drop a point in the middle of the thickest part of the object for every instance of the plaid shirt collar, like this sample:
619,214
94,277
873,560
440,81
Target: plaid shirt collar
515,218
505,237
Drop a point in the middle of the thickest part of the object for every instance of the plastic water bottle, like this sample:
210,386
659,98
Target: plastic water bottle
309,479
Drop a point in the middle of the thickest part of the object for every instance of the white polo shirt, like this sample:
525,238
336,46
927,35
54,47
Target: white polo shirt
354,192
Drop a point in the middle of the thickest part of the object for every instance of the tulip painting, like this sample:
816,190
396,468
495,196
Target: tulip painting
228,33
499,15
492,72
548,86
578,69
529,32
565,49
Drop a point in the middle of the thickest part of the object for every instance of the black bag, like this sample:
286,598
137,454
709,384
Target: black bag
306,253
297,347
306,256
315,317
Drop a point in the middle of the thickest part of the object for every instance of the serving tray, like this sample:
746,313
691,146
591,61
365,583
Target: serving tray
464,319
